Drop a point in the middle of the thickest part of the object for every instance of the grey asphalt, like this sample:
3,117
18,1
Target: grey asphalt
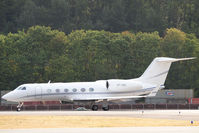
156,114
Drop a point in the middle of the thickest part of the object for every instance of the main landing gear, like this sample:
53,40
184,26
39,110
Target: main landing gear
105,106
95,108
19,106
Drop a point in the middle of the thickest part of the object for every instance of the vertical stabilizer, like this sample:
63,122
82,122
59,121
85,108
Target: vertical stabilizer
157,71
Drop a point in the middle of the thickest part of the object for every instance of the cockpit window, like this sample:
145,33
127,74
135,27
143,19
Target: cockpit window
19,88
24,88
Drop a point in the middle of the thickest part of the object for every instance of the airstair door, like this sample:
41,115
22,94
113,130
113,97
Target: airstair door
38,92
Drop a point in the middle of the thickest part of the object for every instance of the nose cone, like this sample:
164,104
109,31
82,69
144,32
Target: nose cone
5,97
8,97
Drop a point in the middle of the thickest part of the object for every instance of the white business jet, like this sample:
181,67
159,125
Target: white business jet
147,85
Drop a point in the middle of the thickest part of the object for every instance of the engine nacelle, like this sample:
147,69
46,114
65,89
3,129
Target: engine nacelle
123,85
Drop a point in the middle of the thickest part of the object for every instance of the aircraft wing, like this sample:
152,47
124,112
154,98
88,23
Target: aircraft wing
151,94
113,98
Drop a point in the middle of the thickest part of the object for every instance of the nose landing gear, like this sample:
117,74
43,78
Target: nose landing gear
19,106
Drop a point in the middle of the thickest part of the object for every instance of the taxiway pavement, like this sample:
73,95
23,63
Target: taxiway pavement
159,114
107,130
192,115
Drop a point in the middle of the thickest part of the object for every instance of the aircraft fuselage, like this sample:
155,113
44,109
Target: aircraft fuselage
77,91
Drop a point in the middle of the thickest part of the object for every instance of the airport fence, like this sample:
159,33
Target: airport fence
71,107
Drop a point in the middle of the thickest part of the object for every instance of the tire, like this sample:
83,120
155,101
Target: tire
95,107
105,108
18,109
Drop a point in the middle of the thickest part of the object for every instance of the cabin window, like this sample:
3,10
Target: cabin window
74,90
91,89
24,88
65,90
83,89
49,90
57,90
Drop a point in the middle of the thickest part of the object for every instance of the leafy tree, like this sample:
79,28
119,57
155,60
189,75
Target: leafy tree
112,15
177,44
28,54
9,11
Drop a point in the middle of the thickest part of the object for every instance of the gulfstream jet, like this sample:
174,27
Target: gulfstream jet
147,85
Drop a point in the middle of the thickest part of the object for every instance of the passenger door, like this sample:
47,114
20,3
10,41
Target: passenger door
38,92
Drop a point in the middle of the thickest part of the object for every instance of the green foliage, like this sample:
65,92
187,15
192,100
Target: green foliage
28,54
108,15
178,44
98,44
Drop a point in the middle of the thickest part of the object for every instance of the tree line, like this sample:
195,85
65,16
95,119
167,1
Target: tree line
108,15
87,40
40,54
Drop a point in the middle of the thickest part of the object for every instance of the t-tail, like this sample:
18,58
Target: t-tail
157,71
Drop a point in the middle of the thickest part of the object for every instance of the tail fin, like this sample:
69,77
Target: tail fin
157,71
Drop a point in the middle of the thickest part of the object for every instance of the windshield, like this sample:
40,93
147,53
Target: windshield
21,88
24,88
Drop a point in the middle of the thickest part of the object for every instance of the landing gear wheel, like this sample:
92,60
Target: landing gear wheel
19,106
105,108
18,109
95,107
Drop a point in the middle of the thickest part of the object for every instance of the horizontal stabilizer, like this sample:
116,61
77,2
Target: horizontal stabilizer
166,59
